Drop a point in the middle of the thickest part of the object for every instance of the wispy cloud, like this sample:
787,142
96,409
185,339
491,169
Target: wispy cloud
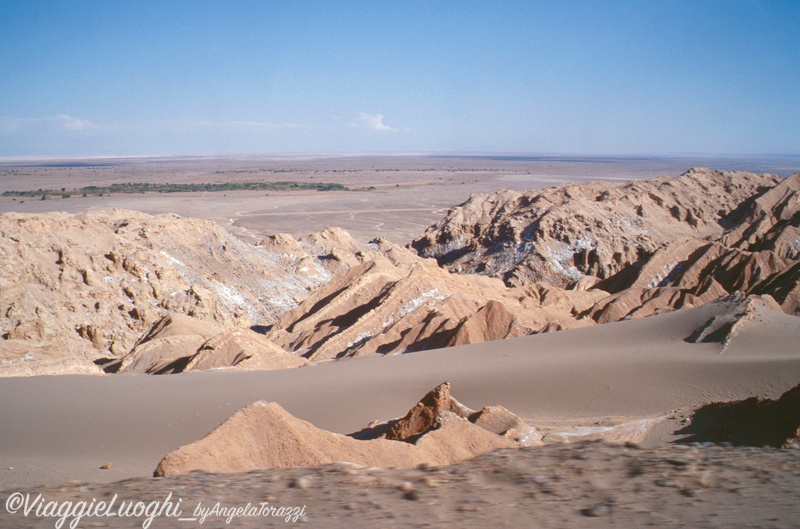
63,133
64,124
58,123
373,122
68,122
250,124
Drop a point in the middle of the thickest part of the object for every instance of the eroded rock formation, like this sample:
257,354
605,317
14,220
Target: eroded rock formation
264,435
81,292
85,288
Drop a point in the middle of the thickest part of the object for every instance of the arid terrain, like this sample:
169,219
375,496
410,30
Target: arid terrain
411,191
621,335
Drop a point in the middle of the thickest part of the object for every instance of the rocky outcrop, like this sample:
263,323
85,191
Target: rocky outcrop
264,435
438,408
424,416
499,420
491,322
559,234
97,291
181,343
770,221
380,307
87,287
651,245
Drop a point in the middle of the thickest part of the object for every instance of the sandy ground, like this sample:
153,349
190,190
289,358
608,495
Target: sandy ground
65,427
585,485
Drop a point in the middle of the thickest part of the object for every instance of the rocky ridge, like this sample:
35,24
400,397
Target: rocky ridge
81,289
440,431
678,258
560,234
124,291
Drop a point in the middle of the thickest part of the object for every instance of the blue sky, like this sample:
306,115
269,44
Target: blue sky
580,77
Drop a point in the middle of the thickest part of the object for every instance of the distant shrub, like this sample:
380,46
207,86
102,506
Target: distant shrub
182,188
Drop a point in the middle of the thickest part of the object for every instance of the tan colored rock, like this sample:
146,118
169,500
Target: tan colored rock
384,308
181,343
499,420
88,286
244,349
784,287
765,218
492,322
455,439
264,435
423,417
167,347
653,245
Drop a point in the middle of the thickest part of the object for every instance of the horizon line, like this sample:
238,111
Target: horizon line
336,154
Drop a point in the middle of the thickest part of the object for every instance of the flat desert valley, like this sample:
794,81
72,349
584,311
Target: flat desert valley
441,341
411,192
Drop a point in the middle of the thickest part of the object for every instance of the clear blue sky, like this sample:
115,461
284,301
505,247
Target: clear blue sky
193,77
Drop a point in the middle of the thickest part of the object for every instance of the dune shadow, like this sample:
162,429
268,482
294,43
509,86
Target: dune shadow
750,422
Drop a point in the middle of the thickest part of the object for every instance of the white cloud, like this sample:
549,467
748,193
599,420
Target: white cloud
68,122
373,122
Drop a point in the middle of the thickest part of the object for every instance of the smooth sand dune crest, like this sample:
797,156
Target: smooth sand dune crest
64,428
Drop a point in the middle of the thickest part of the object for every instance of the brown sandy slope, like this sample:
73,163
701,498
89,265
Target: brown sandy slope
66,427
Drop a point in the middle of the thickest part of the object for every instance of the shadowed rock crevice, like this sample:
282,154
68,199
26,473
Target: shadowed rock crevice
750,422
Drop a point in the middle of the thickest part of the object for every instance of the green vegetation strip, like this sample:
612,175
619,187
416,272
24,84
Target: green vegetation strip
180,188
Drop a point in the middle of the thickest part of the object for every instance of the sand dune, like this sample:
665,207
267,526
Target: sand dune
66,427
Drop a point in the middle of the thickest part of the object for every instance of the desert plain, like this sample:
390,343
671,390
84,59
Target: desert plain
619,378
